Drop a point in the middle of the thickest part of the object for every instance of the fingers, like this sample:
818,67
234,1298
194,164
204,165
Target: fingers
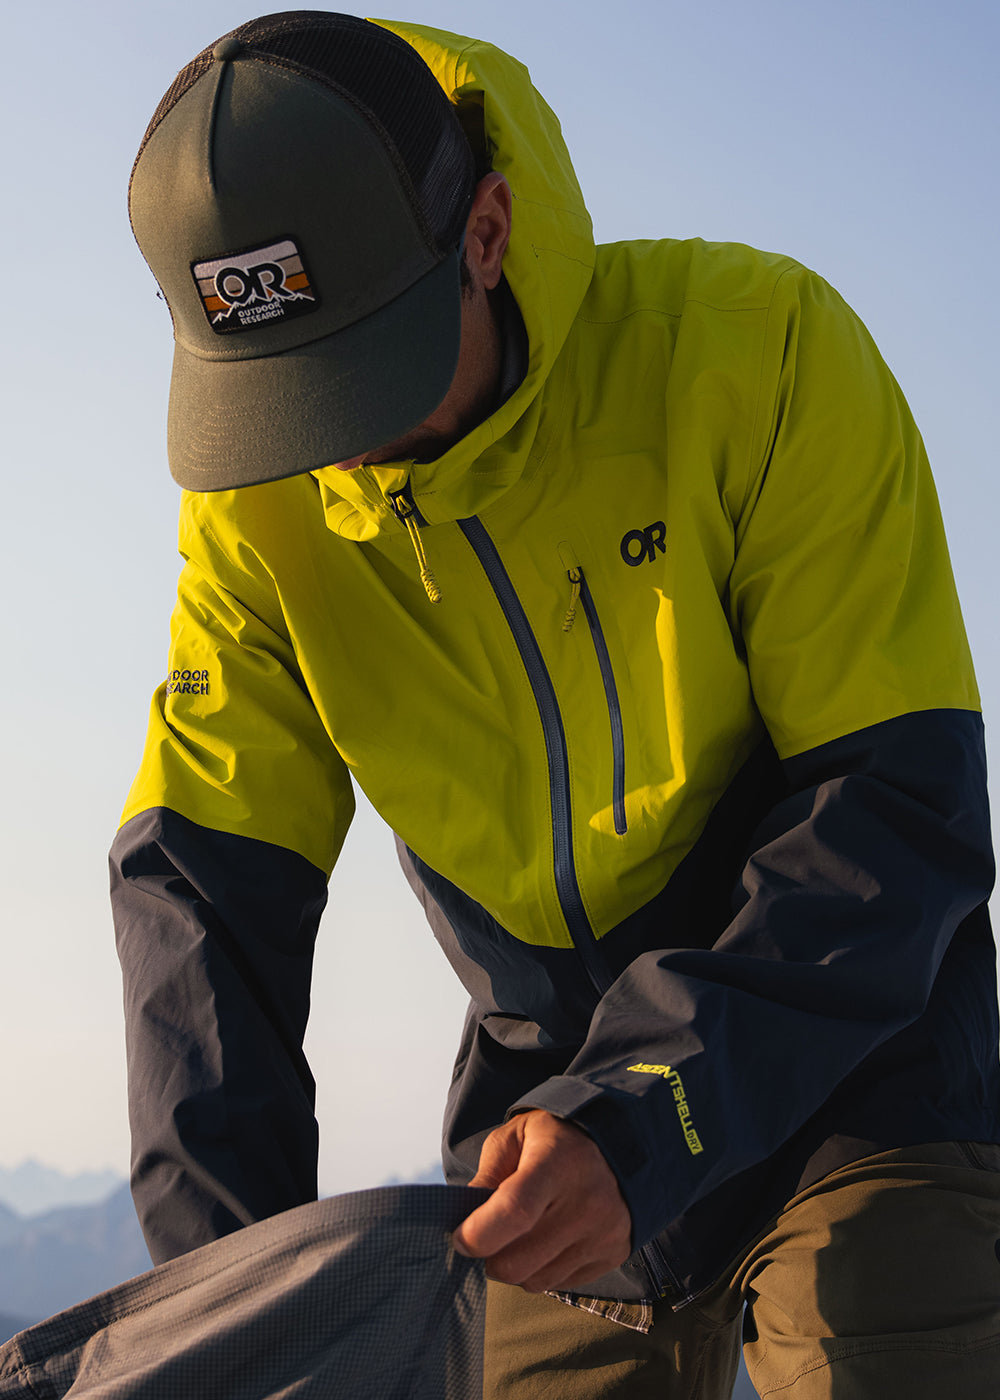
567,1271
556,1217
537,1262
576,1236
518,1199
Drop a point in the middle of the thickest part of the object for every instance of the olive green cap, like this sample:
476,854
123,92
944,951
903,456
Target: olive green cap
300,197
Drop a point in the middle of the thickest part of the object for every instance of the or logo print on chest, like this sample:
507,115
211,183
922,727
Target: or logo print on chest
640,546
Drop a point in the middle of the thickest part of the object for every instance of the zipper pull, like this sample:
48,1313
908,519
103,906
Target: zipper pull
575,576
406,511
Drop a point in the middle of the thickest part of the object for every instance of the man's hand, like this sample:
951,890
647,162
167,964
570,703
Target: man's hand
556,1218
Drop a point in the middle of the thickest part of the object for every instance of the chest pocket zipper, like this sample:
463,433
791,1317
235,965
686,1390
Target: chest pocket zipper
580,593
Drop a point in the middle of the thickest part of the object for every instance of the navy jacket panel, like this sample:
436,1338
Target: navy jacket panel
215,936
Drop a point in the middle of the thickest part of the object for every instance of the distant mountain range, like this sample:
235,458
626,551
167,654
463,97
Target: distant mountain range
10,1326
51,1261
33,1187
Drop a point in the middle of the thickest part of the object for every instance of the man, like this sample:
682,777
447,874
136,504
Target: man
615,577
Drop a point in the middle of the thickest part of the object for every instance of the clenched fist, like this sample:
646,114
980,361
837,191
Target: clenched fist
557,1218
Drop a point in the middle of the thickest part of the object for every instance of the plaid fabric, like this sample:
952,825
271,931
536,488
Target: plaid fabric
635,1314
361,1295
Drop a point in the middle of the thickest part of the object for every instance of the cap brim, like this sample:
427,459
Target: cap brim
243,422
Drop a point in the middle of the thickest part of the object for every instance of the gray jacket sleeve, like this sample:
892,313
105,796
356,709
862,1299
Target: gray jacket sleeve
215,935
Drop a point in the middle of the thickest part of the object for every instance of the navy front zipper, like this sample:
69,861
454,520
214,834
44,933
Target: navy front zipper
665,1281
614,706
567,885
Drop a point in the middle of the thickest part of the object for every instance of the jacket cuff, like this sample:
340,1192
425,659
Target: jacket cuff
603,1115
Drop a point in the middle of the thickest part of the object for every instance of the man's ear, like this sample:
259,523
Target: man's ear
487,230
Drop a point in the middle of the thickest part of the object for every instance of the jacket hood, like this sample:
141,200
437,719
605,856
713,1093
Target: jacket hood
548,266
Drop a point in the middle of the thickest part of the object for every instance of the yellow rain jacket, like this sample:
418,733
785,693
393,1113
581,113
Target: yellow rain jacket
685,763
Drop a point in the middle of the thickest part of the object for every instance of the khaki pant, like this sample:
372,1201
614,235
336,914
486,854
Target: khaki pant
880,1282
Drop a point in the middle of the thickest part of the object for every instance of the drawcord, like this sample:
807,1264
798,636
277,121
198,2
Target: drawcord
404,511
575,576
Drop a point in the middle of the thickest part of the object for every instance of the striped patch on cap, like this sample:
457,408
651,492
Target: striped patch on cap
243,291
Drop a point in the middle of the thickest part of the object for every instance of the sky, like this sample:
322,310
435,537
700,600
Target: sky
858,135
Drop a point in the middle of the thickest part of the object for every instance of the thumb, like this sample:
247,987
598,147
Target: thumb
500,1154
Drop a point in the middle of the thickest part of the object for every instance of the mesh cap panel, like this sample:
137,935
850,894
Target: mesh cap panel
387,81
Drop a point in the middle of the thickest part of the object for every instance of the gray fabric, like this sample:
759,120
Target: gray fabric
361,1296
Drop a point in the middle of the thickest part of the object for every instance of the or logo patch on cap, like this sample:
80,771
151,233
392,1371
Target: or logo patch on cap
242,291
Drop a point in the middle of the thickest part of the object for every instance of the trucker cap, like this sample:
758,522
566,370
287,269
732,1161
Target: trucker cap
301,196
